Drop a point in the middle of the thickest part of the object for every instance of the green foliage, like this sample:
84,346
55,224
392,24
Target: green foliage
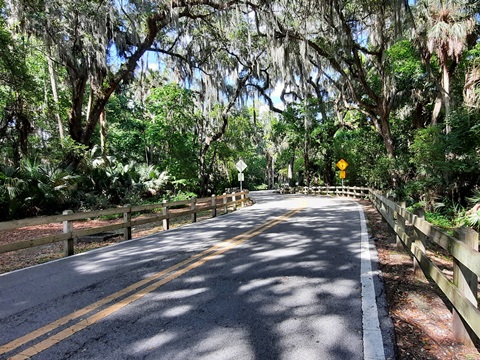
170,132
261,187
34,188
10,188
363,150
439,220
126,129
472,216
428,153
405,65
182,195
108,182
14,72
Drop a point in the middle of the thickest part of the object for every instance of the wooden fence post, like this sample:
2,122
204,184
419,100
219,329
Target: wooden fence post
242,198
166,221
225,208
382,207
193,207
68,228
419,240
214,206
234,199
400,226
466,282
127,218
390,212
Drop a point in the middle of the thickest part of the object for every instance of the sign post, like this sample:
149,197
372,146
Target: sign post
240,165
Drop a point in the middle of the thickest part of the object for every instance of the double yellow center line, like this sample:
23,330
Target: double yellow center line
136,291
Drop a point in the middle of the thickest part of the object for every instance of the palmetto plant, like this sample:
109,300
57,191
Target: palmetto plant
34,188
152,179
44,186
10,187
473,215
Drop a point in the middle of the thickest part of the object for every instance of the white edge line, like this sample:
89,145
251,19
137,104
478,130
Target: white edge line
373,348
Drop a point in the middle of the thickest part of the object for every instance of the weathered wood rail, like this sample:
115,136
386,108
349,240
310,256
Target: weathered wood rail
349,191
462,290
416,235
187,208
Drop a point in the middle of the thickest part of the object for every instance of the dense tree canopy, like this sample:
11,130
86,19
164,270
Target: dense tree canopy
109,102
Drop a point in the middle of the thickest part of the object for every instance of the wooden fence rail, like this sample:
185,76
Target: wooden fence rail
186,208
349,191
462,290
415,234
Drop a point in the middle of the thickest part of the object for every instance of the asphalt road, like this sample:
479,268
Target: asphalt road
292,277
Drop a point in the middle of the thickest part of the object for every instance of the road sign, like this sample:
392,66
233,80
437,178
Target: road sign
240,165
241,177
342,164
343,174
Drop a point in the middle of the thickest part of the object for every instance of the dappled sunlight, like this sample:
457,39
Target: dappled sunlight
317,332
254,285
146,345
225,343
241,268
177,311
274,254
182,294
91,268
196,280
285,293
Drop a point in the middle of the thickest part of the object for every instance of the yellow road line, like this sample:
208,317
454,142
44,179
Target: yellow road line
62,321
82,324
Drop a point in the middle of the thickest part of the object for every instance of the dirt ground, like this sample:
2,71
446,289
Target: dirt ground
421,319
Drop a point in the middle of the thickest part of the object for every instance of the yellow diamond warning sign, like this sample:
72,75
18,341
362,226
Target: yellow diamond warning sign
342,164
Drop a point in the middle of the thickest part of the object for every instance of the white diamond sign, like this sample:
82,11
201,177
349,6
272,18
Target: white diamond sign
240,165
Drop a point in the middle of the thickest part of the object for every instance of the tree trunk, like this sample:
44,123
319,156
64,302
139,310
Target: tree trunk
204,169
436,109
306,160
53,82
383,127
272,173
75,116
306,149
103,136
446,96
268,169
203,176
328,173
290,170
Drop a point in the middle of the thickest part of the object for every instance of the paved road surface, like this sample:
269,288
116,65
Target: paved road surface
288,278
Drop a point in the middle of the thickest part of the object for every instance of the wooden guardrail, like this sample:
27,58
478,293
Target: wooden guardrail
415,234
349,191
187,208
